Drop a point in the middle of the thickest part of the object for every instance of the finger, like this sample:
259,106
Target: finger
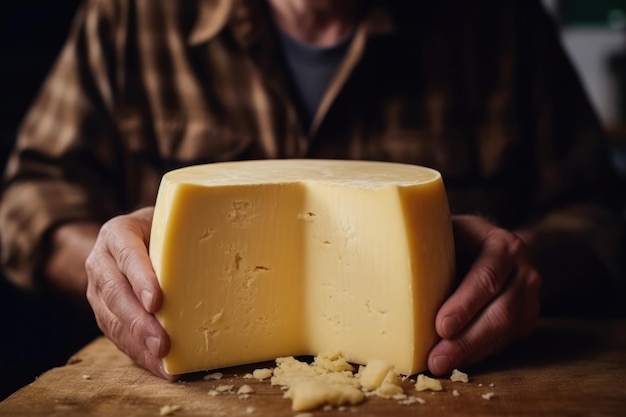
122,318
127,240
142,356
509,317
483,282
524,300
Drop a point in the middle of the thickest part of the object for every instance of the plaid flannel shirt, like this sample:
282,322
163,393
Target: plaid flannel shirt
485,95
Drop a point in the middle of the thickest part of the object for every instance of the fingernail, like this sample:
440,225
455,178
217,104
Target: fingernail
442,364
153,344
162,371
146,299
449,325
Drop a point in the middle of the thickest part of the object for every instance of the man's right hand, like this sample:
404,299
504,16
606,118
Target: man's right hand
123,290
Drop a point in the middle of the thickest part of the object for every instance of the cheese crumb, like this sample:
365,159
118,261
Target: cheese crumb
426,383
250,410
248,376
412,400
389,390
214,393
456,393
309,394
224,388
214,376
488,395
167,410
245,389
326,381
332,362
262,374
458,376
373,374
86,376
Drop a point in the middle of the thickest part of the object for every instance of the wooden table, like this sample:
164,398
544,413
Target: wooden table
565,368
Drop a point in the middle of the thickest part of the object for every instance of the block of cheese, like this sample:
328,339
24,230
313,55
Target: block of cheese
272,258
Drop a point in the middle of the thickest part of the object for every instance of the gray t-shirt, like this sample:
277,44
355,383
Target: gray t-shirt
312,68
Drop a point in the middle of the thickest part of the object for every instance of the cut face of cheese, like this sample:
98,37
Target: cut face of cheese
265,259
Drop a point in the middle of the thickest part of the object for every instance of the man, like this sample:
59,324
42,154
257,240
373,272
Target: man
480,91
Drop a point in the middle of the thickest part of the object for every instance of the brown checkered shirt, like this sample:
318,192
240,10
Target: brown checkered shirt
479,90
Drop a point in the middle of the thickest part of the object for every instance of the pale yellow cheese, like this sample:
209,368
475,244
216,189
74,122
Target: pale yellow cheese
427,383
264,259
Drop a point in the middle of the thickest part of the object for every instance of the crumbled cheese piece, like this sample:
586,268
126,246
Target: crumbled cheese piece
248,376
309,394
262,374
389,390
245,389
488,395
86,376
492,385
426,383
480,385
224,388
250,410
373,374
167,410
214,376
412,400
326,381
458,376
214,393
332,362
456,393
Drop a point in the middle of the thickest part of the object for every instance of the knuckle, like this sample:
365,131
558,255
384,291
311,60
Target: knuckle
136,326
533,281
516,246
90,293
488,281
106,229
90,265
501,318
115,329
109,292
125,257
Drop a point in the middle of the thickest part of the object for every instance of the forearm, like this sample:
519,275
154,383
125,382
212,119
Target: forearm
71,243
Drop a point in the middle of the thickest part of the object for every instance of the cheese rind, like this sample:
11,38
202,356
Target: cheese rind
263,259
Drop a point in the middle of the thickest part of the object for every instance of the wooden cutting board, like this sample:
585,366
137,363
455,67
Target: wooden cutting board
565,368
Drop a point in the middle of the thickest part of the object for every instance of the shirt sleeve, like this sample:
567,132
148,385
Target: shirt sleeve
64,163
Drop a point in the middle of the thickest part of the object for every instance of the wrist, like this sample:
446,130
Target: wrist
64,267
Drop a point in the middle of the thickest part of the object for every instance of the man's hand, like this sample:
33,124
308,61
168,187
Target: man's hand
496,302
123,290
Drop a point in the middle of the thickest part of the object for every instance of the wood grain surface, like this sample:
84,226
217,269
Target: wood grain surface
565,368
